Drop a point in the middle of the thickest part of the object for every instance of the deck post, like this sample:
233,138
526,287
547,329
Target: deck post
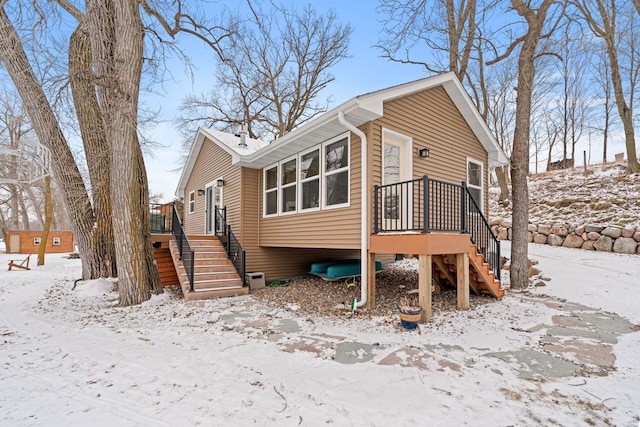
462,270
371,281
424,286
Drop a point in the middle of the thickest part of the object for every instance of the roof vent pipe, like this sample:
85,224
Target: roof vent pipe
243,136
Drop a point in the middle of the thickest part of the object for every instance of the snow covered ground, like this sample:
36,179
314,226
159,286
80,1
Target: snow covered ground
564,354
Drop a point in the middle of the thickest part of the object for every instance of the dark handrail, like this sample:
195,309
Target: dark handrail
482,235
426,204
184,248
231,244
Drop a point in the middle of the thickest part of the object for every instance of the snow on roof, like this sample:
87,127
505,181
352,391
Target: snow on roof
233,141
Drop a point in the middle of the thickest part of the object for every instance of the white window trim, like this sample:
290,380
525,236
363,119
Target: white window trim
192,204
481,187
318,177
282,186
56,241
276,189
36,241
346,135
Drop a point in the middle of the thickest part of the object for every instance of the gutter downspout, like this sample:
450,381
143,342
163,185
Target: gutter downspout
364,191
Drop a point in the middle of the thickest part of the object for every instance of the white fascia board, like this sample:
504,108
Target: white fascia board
193,156
312,131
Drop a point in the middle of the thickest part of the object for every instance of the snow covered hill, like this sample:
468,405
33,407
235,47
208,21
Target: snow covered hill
603,194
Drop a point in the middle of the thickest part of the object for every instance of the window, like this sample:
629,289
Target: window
310,180
271,191
56,241
336,173
298,184
36,241
288,181
474,182
192,202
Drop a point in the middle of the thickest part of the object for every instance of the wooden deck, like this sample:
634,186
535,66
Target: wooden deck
449,259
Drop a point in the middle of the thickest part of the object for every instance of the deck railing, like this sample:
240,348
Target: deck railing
235,252
161,217
184,248
425,205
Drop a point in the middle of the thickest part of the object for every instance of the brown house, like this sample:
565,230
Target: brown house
28,242
403,170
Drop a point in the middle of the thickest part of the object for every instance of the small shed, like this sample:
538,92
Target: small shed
28,242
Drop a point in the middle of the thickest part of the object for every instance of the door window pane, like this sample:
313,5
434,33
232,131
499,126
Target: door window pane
391,164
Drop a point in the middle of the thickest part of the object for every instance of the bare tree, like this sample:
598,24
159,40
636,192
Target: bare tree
46,126
272,71
602,18
535,22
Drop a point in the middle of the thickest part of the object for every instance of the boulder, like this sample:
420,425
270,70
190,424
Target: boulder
588,245
636,236
593,228
625,245
573,241
560,230
540,238
544,229
592,235
502,233
613,232
506,224
584,236
555,240
530,237
495,221
604,243
533,227
628,230
580,230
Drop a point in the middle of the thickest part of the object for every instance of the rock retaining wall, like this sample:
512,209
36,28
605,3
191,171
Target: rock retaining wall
624,240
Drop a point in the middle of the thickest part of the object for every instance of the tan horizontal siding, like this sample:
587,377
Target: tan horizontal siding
337,228
432,120
212,163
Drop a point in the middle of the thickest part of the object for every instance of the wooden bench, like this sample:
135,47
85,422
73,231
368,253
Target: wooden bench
24,264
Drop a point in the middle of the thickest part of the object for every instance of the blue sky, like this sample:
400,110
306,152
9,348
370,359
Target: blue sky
363,72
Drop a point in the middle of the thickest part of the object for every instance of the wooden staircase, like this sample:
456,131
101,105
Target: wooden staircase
481,280
214,274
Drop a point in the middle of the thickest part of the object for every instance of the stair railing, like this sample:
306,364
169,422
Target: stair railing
187,255
480,231
235,251
426,205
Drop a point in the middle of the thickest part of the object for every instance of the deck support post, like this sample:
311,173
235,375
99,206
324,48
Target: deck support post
462,270
424,286
371,283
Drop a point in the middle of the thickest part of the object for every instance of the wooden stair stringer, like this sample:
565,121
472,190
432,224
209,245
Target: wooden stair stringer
483,275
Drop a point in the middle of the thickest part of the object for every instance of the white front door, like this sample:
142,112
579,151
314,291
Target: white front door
397,212
14,242
213,199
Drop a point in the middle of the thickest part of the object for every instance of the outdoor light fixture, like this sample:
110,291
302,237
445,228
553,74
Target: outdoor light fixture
220,183
423,152
201,192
